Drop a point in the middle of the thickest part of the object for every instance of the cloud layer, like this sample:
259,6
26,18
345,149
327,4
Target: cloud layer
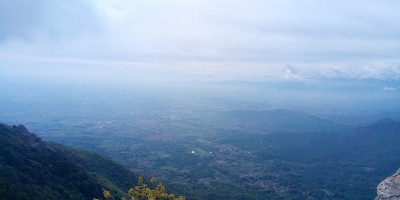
229,39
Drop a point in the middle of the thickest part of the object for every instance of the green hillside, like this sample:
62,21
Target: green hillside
31,168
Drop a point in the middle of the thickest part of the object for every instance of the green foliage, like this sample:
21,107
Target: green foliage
107,194
144,192
34,169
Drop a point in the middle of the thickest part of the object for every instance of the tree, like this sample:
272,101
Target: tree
144,192
107,194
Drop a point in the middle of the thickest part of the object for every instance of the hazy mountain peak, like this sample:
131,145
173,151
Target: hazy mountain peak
386,121
385,125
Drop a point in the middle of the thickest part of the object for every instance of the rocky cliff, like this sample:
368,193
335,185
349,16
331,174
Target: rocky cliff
389,189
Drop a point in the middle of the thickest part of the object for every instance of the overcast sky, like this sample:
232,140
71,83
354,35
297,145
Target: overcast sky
230,39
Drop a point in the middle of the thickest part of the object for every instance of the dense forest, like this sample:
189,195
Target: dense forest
31,168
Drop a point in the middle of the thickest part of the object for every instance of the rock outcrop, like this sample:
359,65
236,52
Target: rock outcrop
389,189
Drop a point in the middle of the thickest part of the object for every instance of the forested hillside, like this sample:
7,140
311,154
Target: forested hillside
31,168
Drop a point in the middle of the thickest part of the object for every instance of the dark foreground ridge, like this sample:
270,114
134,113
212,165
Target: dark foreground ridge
31,168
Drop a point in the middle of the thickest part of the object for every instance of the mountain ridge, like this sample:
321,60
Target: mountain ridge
385,124
32,168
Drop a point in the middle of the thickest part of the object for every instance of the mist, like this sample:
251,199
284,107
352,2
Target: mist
218,99
43,99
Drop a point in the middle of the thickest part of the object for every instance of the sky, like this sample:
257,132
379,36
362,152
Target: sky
223,39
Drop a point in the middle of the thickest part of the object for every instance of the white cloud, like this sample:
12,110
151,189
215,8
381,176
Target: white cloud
236,39
389,88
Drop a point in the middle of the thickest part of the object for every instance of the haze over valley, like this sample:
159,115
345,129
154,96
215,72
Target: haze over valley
260,138
218,100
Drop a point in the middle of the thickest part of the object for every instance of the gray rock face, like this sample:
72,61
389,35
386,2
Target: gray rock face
389,189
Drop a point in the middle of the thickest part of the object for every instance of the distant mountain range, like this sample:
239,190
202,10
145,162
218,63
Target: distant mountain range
280,120
31,168
335,164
